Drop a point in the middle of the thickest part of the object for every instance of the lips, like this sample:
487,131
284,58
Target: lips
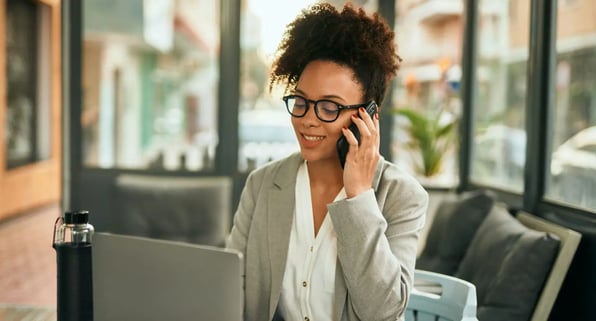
312,138
311,141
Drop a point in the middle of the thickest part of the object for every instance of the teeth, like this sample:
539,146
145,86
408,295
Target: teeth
313,137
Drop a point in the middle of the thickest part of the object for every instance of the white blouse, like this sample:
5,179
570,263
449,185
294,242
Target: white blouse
309,280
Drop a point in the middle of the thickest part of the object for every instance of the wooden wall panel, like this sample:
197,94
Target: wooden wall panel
37,184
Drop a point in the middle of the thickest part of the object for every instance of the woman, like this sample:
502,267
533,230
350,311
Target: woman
322,242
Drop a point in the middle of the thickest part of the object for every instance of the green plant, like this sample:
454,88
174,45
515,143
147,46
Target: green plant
431,136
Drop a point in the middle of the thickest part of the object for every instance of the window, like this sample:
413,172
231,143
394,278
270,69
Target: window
429,39
28,138
573,162
260,34
499,143
150,75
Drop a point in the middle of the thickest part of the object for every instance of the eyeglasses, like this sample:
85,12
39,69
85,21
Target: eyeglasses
326,110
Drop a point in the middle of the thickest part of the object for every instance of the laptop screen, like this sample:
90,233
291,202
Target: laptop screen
136,278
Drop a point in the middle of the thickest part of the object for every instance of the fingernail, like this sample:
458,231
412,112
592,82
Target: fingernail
354,116
361,109
377,115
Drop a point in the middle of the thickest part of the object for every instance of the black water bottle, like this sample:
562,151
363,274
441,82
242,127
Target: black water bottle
72,241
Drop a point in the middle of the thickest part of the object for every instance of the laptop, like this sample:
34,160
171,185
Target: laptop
143,279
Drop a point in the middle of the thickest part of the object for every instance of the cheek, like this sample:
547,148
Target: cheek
334,130
344,121
295,124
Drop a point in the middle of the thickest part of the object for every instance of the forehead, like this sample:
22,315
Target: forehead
324,79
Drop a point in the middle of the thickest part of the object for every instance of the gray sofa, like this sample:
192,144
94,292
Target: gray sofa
475,238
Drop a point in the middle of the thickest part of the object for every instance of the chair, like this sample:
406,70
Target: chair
569,241
439,297
188,209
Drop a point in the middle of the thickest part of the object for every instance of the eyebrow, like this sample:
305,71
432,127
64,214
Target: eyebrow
324,97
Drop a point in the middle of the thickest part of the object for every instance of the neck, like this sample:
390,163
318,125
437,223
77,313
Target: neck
328,173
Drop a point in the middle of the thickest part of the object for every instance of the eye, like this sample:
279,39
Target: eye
298,102
327,107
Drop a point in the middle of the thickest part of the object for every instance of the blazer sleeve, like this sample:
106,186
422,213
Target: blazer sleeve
377,239
237,239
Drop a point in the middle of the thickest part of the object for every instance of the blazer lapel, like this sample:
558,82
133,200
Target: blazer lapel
280,213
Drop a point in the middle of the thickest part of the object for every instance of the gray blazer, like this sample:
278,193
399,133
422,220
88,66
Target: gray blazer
377,239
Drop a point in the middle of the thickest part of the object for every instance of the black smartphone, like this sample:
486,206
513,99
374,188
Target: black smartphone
342,144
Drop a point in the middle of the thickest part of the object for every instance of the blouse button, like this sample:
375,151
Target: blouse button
306,319
303,283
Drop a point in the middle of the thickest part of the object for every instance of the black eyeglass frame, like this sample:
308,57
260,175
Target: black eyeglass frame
340,107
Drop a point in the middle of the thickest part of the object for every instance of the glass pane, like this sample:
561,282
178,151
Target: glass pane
498,156
27,74
426,94
150,75
265,132
573,163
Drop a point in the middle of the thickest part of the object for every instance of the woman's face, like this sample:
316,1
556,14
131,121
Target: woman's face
331,81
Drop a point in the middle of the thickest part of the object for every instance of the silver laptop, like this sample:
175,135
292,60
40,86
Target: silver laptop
136,278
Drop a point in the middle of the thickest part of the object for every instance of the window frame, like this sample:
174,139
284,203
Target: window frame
539,112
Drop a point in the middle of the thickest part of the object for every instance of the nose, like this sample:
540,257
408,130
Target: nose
310,118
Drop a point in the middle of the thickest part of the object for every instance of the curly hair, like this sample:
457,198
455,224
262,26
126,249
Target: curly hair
349,38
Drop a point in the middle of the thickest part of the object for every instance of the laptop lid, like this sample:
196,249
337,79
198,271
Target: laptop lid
136,278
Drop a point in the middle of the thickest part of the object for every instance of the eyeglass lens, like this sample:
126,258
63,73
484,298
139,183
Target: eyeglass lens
326,110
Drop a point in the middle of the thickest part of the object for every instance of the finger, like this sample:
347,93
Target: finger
350,138
362,126
366,117
371,126
377,126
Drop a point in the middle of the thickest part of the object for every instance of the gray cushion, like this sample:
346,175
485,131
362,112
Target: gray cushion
188,209
508,263
452,229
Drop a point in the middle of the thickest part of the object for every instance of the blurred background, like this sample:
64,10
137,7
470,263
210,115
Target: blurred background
94,89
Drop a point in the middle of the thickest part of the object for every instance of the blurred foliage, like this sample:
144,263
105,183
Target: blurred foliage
431,136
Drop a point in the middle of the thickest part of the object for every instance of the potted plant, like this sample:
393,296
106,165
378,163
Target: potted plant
430,138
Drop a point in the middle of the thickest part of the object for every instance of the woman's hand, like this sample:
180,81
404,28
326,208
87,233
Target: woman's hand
361,160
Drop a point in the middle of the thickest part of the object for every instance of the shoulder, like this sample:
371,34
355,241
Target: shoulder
396,180
280,171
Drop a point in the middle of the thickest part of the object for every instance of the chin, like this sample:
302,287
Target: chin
312,157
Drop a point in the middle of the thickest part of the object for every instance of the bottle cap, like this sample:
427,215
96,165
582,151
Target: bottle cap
76,217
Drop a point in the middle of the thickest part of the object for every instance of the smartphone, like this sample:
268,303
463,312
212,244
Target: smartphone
342,144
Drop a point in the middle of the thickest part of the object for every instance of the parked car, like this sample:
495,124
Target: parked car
500,153
573,169
264,135
579,152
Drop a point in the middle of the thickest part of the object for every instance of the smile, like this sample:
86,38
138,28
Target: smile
313,138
